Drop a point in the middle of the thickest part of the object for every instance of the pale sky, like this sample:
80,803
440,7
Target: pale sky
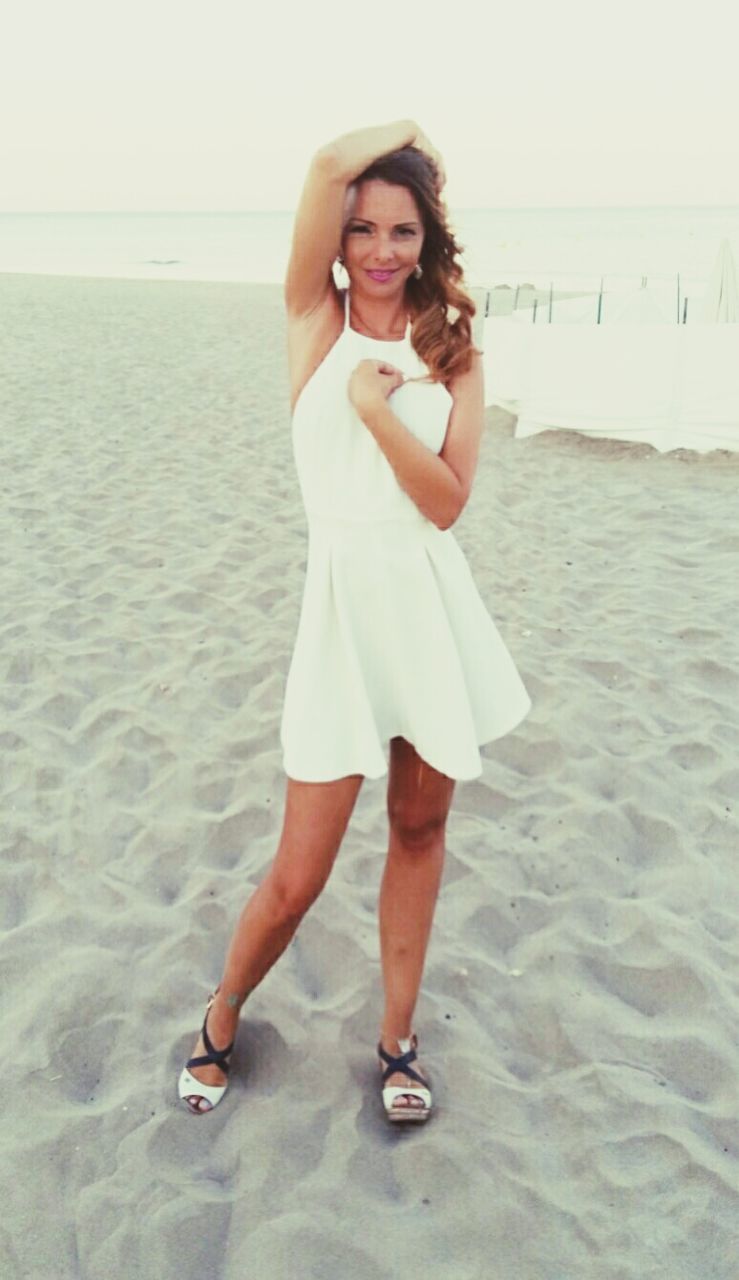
174,105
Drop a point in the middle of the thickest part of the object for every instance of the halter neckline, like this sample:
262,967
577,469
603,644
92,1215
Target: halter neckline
386,341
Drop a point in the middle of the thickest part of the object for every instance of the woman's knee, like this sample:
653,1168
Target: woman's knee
293,893
417,832
418,799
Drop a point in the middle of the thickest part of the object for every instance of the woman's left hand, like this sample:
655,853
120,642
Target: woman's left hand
372,382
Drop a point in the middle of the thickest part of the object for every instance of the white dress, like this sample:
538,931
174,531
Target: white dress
393,637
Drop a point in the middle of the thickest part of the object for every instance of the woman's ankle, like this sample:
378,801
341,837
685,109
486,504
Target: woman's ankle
390,1039
227,1005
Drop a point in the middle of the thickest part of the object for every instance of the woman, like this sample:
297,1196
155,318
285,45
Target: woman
394,644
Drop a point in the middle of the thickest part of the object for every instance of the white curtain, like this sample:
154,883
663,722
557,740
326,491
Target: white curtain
636,375
671,386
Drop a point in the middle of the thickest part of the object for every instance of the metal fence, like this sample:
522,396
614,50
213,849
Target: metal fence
504,297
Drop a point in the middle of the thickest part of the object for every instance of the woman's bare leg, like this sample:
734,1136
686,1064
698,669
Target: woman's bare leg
418,801
316,818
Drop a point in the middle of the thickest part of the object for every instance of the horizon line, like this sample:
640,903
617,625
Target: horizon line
492,208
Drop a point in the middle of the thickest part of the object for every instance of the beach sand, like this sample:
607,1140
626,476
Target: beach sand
580,1006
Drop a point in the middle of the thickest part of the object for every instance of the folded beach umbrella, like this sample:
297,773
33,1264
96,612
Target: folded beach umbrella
721,299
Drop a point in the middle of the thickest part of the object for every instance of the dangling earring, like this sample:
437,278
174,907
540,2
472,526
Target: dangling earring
418,271
341,275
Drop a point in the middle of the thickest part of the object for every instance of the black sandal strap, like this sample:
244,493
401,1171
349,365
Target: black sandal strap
214,1057
402,1063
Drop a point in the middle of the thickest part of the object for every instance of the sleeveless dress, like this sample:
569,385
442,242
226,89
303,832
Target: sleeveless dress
393,636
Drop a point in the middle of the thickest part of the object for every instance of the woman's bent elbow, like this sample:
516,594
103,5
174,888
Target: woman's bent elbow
448,521
452,514
327,159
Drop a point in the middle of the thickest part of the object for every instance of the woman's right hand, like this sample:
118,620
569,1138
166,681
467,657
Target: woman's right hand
353,152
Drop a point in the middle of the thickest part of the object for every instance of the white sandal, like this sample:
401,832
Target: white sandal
193,1091
391,1093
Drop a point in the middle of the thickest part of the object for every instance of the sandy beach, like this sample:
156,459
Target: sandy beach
580,1009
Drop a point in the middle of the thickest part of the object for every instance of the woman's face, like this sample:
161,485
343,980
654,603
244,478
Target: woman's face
382,238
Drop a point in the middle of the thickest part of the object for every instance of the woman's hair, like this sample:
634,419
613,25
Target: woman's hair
444,343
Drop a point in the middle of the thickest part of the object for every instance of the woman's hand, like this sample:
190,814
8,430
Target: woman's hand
372,382
353,152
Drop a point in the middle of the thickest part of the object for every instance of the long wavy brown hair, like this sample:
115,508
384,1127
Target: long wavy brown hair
442,340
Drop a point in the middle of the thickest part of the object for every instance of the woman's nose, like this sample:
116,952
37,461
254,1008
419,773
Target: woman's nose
385,251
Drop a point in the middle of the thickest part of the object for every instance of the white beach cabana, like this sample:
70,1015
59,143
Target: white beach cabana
636,375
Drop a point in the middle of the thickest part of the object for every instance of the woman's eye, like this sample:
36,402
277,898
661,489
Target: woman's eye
403,231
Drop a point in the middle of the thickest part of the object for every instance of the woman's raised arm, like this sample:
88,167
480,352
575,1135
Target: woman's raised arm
318,221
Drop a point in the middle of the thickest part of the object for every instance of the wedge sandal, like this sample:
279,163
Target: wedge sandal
407,1112
191,1090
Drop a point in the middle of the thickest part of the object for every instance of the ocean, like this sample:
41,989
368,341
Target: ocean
570,248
